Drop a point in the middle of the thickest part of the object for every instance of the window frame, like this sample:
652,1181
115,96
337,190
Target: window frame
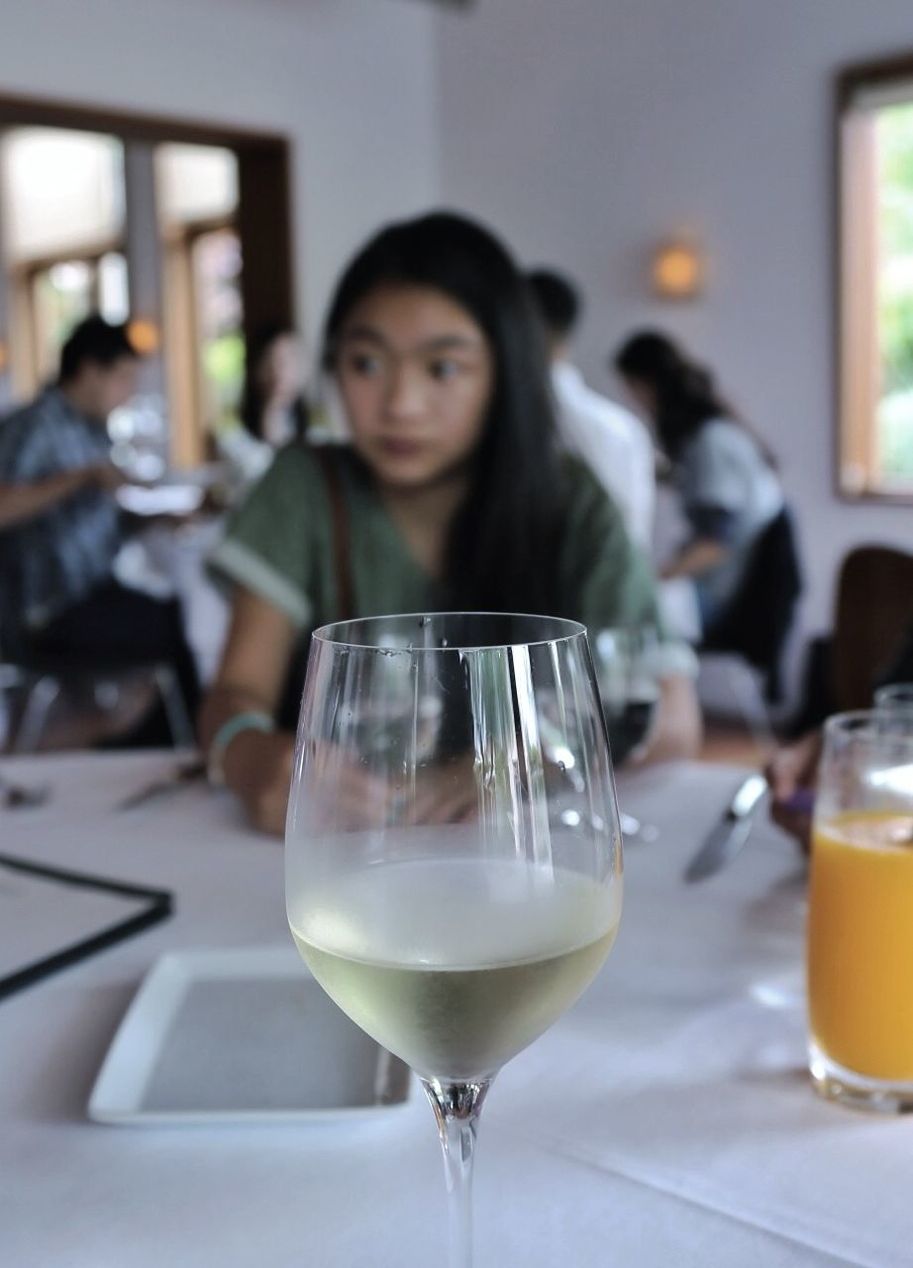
849,437
183,368
263,219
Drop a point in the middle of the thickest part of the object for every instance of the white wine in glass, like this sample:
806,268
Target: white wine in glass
453,856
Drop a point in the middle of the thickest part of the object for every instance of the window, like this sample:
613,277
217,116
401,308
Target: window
875,139
63,240
182,228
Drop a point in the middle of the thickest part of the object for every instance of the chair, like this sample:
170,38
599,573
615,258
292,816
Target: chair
874,610
41,683
753,631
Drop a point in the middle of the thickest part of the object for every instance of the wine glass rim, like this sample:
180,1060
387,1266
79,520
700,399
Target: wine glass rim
895,691
869,724
335,633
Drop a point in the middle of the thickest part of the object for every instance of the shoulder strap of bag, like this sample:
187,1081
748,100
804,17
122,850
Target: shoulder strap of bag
340,529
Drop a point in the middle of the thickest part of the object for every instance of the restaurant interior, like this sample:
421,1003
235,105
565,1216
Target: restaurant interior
456,455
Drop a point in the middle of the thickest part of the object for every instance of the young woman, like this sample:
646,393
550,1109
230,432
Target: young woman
451,492
725,476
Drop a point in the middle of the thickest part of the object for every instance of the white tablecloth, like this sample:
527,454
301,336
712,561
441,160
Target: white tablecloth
667,1120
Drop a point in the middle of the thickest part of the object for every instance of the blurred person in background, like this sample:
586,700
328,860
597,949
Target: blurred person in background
792,772
272,410
61,527
452,495
611,440
725,477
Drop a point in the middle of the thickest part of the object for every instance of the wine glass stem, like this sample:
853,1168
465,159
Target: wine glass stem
456,1109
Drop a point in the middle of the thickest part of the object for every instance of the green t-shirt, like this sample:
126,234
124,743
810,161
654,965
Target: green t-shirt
279,545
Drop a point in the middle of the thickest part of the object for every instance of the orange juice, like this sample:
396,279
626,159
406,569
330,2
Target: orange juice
860,943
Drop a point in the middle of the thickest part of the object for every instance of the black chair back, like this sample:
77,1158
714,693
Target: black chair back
757,622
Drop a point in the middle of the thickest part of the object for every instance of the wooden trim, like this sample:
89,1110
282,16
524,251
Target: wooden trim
43,112
186,230
849,81
858,367
860,75
873,497
85,254
263,220
180,362
265,226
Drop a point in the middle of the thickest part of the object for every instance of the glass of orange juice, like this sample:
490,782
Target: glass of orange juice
860,929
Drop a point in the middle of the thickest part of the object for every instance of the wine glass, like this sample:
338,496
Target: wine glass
448,882
629,668
627,664
896,699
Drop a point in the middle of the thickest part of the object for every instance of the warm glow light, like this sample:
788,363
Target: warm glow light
4,356
677,271
144,335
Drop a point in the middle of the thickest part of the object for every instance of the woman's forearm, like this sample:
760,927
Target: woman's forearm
222,704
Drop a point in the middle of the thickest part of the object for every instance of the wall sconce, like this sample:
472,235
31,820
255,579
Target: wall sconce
144,335
4,356
677,270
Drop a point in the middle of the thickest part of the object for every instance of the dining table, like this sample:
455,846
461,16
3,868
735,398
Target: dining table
666,1119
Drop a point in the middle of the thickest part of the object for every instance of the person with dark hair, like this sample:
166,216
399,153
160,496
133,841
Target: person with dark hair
452,494
61,528
611,440
272,410
56,446
272,404
725,476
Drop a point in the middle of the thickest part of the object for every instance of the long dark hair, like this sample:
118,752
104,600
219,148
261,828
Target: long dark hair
253,402
502,545
685,392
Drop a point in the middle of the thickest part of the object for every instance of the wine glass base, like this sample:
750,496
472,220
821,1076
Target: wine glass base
835,1083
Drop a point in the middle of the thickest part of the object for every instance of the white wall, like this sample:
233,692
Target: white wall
349,81
584,129
588,129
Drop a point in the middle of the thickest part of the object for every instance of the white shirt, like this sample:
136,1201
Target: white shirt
614,444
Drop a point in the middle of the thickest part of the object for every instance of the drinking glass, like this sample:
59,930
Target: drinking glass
627,668
860,932
453,856
896,698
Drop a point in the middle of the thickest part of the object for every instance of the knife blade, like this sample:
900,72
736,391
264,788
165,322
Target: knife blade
182,776
725,841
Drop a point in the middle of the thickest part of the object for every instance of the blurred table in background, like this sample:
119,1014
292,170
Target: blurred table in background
169,560
667,1119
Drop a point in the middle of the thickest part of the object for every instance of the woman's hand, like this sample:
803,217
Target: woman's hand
447,792
792,776
258,767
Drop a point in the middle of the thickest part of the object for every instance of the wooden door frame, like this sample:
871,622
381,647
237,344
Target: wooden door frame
264,193
849,80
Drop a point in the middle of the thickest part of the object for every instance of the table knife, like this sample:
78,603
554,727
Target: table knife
182,776
725,841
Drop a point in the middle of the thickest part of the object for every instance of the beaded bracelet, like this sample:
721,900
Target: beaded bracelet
249,720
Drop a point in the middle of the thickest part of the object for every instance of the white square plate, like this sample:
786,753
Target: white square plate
240,1036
